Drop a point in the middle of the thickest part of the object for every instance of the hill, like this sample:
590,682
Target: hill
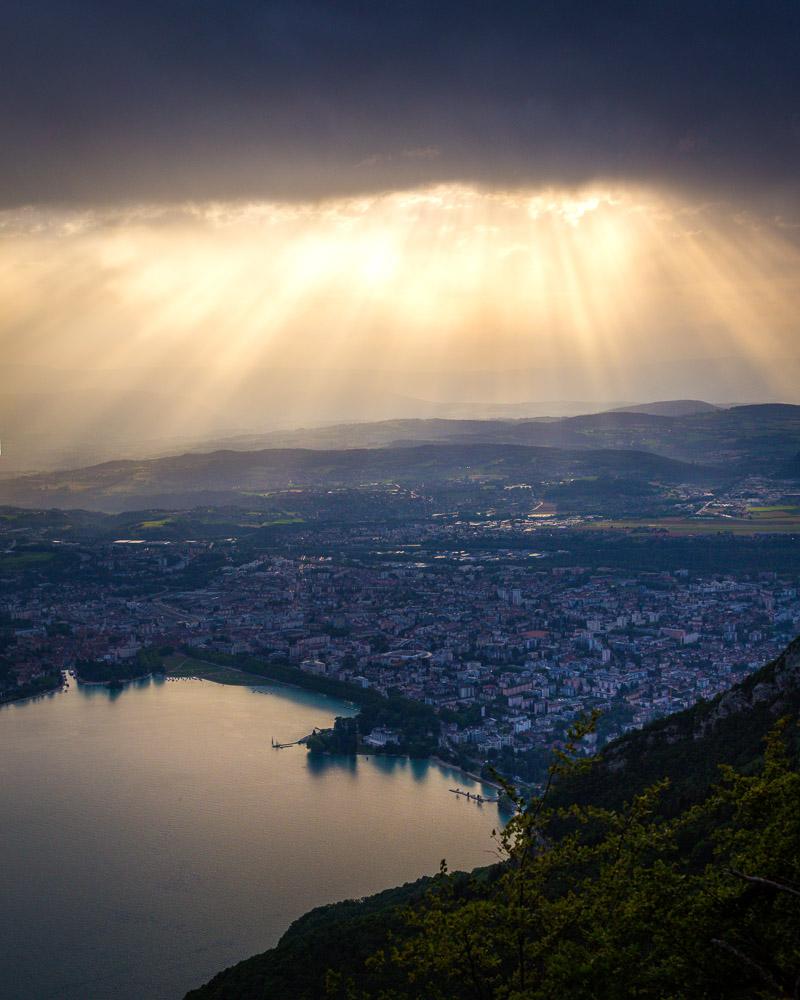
223,476
670,408
651,890
689,746
759,439
754,438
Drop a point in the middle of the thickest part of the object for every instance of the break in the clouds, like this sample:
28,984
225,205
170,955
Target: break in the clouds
121,101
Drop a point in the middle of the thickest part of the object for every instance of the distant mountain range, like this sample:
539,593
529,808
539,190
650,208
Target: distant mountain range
57,419
52,419
704,446
670,408
57,428
221,476
686,430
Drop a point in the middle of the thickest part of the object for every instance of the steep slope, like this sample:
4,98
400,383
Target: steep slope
351,930
687,748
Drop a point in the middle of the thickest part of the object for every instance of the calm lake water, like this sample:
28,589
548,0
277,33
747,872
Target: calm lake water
151,837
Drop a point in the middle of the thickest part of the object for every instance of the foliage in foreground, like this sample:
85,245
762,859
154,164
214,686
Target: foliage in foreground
618,903
616,883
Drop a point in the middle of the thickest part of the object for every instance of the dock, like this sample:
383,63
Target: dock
473,796
295,743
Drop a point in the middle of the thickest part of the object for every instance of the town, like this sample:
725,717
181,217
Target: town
506,645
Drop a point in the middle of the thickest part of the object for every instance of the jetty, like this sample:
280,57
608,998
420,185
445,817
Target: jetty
295,743
473,796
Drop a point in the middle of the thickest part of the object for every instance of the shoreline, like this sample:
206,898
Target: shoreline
468,774
432,759
263,680
6,700
269,681
113,683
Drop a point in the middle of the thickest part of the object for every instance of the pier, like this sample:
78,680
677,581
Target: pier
473,796
295,743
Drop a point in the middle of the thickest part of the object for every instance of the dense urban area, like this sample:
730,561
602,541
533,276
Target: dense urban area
498,633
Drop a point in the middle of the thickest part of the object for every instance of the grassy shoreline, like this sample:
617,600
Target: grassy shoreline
183,667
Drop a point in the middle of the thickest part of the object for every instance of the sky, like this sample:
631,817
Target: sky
125,102
579,191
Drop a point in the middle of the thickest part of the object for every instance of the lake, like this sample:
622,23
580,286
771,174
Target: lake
151,837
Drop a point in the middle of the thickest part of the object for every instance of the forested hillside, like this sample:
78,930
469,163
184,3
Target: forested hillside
668,868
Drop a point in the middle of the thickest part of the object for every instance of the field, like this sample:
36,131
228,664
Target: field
777,522
24,559
786,508
178,665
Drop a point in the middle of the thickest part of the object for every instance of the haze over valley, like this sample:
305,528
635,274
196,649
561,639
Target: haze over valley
399,500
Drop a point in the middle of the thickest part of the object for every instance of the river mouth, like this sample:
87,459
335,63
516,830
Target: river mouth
152,837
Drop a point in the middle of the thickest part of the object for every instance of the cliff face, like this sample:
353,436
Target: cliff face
774,688
772,691
688,747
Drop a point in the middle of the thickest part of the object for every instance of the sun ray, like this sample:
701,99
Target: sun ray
572,288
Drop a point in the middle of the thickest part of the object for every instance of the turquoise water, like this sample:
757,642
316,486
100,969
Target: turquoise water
151,837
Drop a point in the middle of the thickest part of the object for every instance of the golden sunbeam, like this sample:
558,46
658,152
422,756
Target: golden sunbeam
450,276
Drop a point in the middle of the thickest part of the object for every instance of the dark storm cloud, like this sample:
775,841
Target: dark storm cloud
104,101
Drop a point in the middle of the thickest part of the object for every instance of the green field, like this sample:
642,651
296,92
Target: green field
776,509
161,523
178,665
781,523
24,559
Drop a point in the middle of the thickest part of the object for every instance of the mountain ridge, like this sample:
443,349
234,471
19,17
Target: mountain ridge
714,435
228,472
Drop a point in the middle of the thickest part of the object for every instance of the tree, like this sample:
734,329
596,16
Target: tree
619,903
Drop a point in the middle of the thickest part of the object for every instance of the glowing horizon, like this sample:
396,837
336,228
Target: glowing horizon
448,278
543,274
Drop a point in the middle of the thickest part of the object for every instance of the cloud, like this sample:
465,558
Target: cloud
112,101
